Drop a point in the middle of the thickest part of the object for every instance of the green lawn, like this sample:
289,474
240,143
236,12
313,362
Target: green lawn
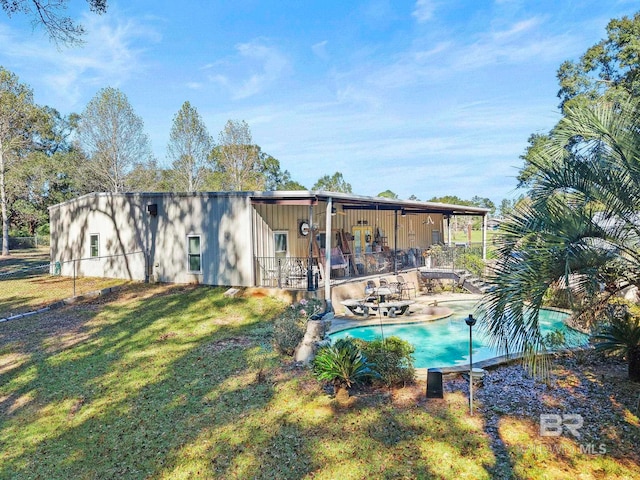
26,258
30,287
161,382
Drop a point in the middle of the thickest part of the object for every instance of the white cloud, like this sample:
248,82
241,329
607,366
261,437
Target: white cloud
256,68
269,65
113,53
320,50
423,11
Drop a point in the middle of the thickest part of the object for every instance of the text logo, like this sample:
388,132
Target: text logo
553,424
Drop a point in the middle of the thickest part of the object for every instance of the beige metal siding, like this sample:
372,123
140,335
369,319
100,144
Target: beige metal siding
124,226
284,218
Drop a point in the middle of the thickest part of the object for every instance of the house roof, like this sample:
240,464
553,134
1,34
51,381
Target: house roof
349,201
346,201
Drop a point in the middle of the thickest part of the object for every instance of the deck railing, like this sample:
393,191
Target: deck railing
456,257
288,272
294,272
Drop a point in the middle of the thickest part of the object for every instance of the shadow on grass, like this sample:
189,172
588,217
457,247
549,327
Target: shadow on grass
166,386
140,385
159,382
24,258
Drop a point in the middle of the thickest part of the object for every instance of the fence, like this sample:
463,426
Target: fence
457,257
288,272
28,289
292,272
18,243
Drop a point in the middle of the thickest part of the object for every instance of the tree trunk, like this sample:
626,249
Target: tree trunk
3,204
633,357
341,393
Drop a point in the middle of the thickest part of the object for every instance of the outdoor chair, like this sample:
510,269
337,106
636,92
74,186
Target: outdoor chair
404,286
392,286
370,291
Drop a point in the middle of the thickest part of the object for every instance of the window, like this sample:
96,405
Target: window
94,245
194,254
281,243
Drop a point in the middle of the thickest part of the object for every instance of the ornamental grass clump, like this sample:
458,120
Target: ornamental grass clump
342,364
289,328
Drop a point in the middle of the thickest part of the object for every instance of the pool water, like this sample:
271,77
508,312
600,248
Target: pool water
445,342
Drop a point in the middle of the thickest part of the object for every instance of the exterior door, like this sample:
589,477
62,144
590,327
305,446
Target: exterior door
362,239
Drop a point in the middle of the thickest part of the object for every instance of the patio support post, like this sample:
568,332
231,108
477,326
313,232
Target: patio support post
395,242
484,237
449,229
327,256
310,286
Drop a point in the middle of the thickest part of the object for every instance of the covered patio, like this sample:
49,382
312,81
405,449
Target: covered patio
312,240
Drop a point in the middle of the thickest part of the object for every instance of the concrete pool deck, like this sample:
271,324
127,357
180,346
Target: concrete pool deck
420,312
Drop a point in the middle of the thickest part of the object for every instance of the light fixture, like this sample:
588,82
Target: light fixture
403,213
471,322
333,211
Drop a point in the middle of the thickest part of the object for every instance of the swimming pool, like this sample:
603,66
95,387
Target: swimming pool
445,342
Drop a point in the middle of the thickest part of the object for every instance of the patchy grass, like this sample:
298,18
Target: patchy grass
162,382
25,258
30,288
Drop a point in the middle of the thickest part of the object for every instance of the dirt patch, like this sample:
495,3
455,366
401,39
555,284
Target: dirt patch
228,343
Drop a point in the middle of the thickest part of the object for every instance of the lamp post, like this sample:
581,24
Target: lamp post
471,322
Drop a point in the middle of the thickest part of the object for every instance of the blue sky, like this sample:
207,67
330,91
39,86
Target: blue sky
421,97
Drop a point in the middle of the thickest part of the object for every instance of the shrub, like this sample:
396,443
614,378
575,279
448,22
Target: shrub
471,262
342,364
289,328
392,358
620,335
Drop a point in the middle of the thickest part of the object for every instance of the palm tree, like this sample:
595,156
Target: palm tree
578,232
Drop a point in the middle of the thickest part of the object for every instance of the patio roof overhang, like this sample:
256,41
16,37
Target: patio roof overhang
359,202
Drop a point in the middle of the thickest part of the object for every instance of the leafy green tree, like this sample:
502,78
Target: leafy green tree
484,203
237,159
578,231
393,360
150,177
451,200
47,14
113,138
189,148
388,194
275,177
536,143
413,198
332,183
610,68
507,205
46,174
19,119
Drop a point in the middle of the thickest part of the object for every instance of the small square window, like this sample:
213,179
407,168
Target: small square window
94,246
194,253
